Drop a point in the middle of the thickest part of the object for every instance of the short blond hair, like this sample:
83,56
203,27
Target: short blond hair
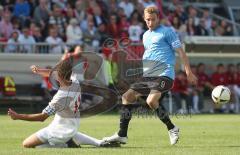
151,10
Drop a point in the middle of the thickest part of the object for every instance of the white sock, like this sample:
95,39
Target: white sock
81,138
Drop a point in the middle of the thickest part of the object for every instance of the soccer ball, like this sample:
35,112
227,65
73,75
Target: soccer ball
221,94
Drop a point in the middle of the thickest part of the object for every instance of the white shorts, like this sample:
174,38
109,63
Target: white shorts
45,136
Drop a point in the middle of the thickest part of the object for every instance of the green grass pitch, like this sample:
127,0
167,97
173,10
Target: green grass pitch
200,134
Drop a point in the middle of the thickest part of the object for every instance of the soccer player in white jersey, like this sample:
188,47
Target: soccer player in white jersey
160,43
64,128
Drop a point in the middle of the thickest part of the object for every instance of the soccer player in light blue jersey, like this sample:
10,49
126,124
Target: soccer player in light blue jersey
160,43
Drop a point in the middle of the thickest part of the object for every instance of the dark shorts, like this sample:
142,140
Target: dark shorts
146,84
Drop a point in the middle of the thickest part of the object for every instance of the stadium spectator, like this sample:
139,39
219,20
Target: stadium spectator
212,30
120,13
39,38
54,42
207,19
180,28
127,6
113,29
219,77
91,37
32,27
137,16
223,24
204,85
22,10
41,14
194,93
191,29
69,13
27,41
181,14
84,22
228,30
38,35
231,75
33,4
98,18
104,7
12,44
16,25
57,18
176,23
201,29
112,7
139,8
104,35
6,27
91,6
135,31
192,13
74,33
219,31
181,93
80,12
123,25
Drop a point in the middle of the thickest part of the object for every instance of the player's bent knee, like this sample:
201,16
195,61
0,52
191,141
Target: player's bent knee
128,99
152,104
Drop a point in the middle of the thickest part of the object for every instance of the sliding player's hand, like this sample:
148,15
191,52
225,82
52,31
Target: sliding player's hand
192,78
34,69
12,114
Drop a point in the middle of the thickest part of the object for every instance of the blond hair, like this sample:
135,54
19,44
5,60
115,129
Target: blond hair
151,10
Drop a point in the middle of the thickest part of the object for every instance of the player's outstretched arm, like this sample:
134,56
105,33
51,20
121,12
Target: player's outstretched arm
27,117
41,71
191,77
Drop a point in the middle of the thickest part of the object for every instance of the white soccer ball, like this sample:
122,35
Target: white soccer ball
221,94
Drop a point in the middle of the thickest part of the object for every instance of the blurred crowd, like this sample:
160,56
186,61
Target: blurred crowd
191,98
92,22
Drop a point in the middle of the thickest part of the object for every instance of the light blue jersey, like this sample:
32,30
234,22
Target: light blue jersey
159,57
